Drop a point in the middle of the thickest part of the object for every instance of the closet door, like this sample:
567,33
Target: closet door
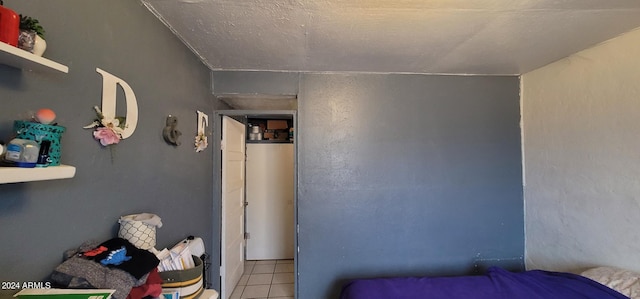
269,194
232,238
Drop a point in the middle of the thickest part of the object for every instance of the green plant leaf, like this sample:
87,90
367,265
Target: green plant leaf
29,23
122,120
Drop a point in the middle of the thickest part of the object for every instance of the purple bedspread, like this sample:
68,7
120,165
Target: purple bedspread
497,283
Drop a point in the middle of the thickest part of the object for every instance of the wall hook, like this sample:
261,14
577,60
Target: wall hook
170,131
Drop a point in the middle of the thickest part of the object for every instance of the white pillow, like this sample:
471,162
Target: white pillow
624,281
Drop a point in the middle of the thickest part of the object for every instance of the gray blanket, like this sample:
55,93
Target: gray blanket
77,272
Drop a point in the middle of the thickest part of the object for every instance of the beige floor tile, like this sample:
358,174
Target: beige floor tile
256,279
280,268
237,292
252,263
262,269
248,267
281,290
266,279
236,296
259,291
282,278
243,280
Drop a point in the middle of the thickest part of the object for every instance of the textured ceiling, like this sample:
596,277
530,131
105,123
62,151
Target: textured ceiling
493,37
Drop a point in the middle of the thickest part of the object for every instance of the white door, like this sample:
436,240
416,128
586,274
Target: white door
270,192
233,163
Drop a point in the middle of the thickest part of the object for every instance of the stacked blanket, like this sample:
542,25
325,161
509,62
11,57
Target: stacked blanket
497,283
114,264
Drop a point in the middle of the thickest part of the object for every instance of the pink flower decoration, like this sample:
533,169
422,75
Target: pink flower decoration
106,136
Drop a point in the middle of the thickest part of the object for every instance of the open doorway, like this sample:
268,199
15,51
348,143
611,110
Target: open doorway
268,206
269,188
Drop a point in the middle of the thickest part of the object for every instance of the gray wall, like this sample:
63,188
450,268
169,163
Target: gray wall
40,220
261,83
403,175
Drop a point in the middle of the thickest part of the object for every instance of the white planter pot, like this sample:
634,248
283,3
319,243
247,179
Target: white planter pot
39,46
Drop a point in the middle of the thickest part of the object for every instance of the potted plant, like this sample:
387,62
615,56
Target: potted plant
31,35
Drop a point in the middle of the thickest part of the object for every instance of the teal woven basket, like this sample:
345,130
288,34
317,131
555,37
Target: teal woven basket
38,132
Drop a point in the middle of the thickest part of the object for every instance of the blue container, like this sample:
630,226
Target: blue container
38,132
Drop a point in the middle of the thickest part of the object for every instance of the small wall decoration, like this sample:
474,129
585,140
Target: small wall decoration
201,136
109,128
170,131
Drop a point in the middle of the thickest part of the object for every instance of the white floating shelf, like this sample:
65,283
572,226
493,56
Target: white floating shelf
19,58
18,174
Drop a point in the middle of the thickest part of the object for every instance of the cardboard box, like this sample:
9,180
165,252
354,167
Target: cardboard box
268,135
277,125
282,136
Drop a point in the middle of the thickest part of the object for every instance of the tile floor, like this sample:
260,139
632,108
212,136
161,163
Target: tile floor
265,279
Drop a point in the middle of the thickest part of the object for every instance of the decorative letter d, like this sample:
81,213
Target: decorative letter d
109,85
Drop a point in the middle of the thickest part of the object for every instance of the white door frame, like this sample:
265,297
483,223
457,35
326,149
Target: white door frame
217,160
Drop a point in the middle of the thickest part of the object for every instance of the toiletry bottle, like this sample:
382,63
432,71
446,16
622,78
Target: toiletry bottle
14,150
23,152
43,156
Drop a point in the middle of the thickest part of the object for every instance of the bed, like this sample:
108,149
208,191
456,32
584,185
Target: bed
498,283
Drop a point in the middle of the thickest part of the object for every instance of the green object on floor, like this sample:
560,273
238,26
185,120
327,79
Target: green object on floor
64,294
